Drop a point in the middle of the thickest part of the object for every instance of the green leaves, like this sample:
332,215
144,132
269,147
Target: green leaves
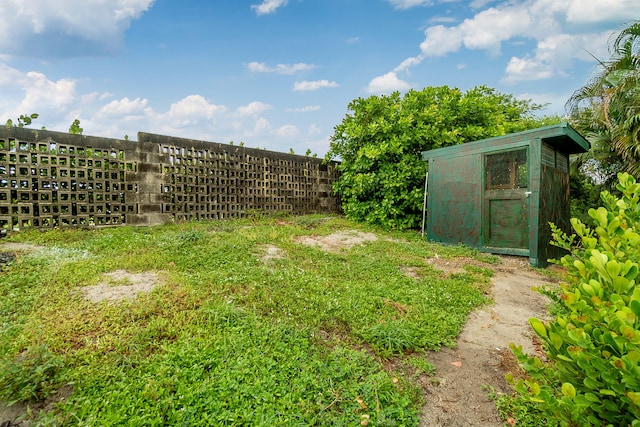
380,144
538,326
23,120
33,375
569,390
593,346
75,128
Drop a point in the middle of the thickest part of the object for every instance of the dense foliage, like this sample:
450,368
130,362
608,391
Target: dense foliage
592,376
611,101
606,110
380,143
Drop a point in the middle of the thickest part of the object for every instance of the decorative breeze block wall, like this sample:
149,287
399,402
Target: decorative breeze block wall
53,179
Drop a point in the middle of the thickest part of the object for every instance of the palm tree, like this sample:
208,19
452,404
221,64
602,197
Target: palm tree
612,99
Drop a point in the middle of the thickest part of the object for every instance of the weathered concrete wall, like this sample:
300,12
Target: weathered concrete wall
53,179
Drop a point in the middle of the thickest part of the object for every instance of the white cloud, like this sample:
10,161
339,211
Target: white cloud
316,142
125,107
491,27
441,40
41,91
530,19
595,11
268,6
442,20
479,4
520,69
33,92
408,63
488,29
406,4
59,103
390,82
262,126
556,54
66,27
254,108
312,85
10,77
562,32
306,109
287,131
314,130
94,97
261,67
352,40
192,110
387,83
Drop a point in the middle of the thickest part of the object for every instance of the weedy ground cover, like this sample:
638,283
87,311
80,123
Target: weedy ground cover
228,338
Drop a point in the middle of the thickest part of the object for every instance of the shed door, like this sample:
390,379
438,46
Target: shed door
506,200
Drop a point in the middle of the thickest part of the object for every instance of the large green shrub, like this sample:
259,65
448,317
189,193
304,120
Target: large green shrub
380,142
592,372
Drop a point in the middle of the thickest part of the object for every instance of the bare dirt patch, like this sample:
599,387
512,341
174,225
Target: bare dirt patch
271,252
338,241
457,397
413,272
22,414
120,285
18,247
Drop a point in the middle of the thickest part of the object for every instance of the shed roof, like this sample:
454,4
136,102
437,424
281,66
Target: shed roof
561,136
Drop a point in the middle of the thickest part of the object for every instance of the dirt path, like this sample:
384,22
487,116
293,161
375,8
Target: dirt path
458,397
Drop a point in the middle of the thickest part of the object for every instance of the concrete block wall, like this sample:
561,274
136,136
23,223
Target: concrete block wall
53,179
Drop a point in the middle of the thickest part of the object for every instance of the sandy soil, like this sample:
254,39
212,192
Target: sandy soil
457,397
120,285
338,241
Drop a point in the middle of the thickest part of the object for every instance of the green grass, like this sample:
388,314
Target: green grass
229,339
520,411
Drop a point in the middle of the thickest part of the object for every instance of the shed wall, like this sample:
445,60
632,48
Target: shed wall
454,200
554,201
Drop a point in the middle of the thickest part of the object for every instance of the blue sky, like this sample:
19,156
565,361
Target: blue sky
279,74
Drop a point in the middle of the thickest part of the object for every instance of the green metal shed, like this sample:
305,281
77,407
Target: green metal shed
500,194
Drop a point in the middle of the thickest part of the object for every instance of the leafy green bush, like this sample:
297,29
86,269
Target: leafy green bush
515,408
592,376
382,172
31,376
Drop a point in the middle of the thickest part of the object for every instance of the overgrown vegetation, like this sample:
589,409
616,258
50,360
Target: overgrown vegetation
380,143
592,376
22,121
31,375
606,110
228,338
75,128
